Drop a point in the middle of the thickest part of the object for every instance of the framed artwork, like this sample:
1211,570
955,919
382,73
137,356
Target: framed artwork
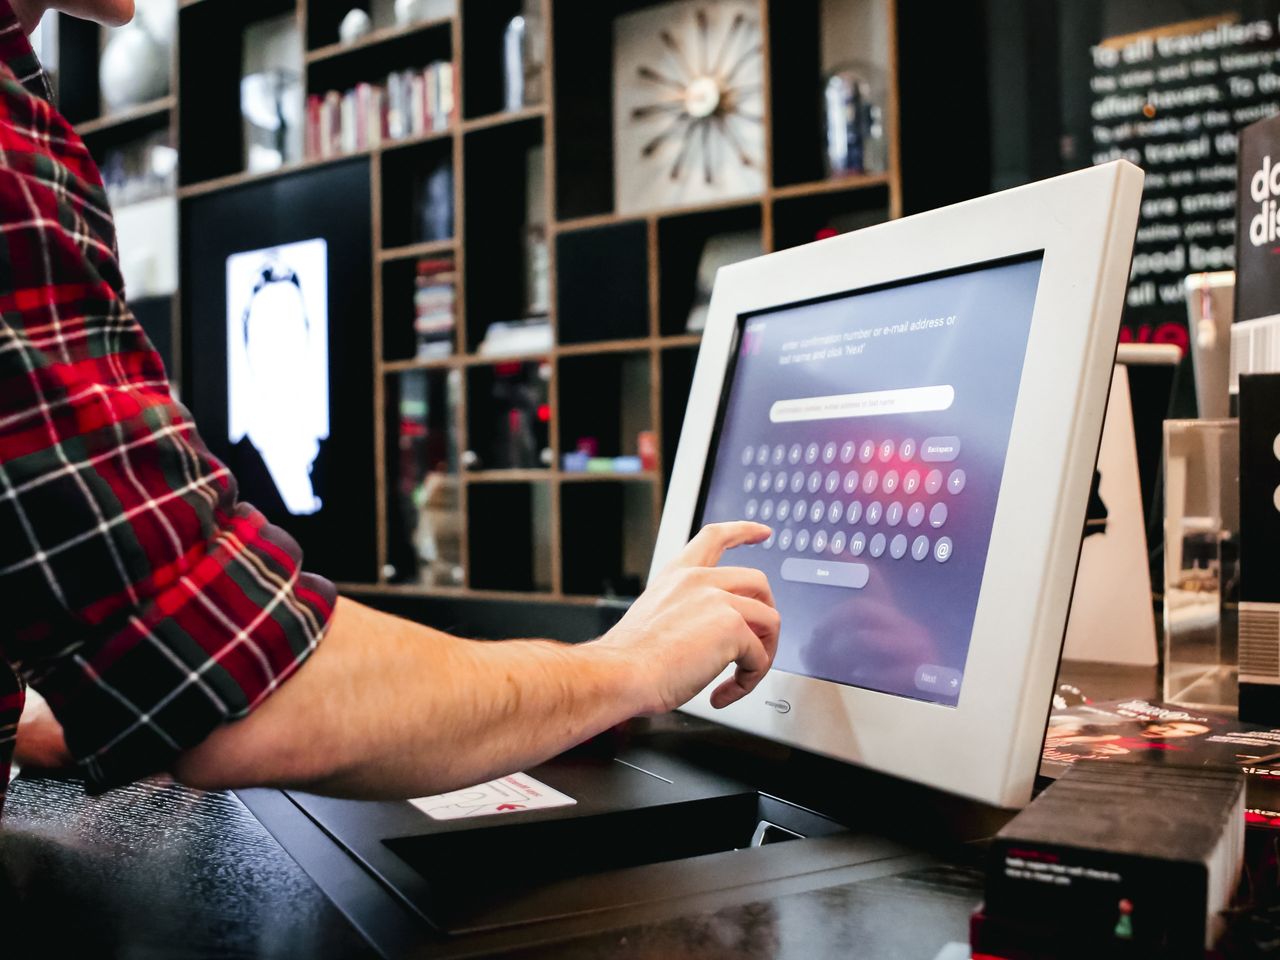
688,104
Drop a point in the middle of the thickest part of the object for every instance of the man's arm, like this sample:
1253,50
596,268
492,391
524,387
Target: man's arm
388,708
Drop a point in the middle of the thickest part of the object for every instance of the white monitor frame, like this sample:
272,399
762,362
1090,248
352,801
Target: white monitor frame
987,746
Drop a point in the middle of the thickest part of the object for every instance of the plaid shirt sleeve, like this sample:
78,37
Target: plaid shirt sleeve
141,598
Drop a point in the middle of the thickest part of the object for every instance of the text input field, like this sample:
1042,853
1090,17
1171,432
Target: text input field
874,403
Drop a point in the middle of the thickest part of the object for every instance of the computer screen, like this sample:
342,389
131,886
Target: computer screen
870,430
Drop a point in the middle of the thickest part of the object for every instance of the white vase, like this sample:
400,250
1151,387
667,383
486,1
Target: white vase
355,25
133,69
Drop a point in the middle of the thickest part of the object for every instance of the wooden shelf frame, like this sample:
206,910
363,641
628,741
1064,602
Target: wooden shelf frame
142,113
476,133
376,38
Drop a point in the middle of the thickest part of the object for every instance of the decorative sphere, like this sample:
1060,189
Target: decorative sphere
159,18
411,11
133,69
355,25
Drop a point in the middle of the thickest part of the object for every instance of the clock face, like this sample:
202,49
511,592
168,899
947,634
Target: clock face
688,104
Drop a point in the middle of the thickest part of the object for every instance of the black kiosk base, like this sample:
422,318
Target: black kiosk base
669,813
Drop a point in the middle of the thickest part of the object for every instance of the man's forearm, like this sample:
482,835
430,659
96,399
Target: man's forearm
388,708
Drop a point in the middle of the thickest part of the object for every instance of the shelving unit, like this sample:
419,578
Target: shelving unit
621,285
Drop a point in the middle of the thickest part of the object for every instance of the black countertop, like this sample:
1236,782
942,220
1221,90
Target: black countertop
154,870
159,870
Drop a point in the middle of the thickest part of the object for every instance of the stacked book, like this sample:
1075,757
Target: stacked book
434,306
408,104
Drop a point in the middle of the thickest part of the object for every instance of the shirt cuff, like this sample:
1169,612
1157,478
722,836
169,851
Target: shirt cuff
205,650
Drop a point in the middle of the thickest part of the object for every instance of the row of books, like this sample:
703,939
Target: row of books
408,104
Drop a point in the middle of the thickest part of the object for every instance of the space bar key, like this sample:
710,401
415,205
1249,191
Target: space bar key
852,575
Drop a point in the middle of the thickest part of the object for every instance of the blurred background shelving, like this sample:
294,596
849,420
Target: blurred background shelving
536,309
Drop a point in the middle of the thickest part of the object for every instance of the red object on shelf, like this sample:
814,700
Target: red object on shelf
647,446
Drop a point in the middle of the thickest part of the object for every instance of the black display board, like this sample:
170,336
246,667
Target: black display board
1258,232
327,209
1168,84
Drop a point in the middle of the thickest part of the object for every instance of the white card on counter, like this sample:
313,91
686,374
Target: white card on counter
514,794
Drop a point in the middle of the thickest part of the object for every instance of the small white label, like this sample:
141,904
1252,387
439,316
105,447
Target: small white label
514,794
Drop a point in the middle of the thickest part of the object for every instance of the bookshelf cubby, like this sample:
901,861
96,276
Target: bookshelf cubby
507,520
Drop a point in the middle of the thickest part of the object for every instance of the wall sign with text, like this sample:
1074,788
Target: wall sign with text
1173,99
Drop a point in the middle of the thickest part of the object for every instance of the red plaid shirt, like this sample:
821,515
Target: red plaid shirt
139,597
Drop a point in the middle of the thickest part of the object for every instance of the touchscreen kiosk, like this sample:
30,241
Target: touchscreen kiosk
915,410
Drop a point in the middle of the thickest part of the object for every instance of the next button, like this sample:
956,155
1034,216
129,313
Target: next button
851,575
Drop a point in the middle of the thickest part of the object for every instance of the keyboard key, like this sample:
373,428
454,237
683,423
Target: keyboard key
890,482
911,483
920,547
876,546
851,481
794,454
942,549
955,482
837,543
853,576
817,511
829,453
784,539
835,512
866,451
802,541
858,543
811,453
766,481
797,481
833,481
783,510
870,480
898,547
762,455
875,510
933,482
751,510
940,449
887,449
893,514
938,515
748,455
854,512
915,514
779,454
768,544
847,451
749,483
815,481
766,511
907,449
800,510
820,541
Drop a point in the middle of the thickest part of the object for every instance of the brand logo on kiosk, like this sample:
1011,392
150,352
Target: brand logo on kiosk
1264,188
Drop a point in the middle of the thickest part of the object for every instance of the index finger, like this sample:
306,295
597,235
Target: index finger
714,539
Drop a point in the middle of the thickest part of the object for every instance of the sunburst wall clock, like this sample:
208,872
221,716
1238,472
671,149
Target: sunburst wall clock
688,104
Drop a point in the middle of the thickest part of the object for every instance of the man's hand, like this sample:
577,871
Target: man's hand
40,740
695,618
